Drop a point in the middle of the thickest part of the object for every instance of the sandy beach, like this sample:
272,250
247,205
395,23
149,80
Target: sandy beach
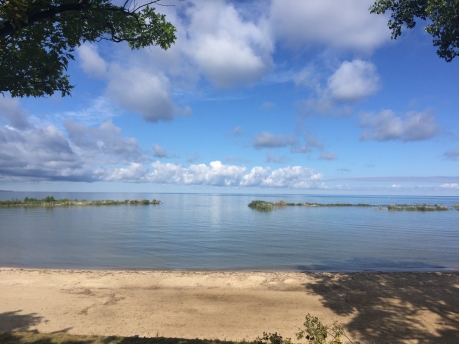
372,307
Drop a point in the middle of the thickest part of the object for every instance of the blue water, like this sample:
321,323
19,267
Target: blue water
211,231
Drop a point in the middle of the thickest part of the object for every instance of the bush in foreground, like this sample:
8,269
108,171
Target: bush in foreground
314,332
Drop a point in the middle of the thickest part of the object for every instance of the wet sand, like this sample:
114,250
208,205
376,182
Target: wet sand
395,307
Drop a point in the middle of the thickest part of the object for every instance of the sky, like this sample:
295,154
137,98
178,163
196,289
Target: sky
280,96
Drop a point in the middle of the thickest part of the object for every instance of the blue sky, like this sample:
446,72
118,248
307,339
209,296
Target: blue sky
255,96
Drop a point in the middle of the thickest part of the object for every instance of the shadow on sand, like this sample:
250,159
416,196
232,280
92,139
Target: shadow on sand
389,307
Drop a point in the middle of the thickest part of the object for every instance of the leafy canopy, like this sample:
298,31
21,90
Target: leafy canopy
38,38
442,15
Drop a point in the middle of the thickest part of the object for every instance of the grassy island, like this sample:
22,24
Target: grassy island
49,201
268,206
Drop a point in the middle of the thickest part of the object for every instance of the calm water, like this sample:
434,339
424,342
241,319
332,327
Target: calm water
206,231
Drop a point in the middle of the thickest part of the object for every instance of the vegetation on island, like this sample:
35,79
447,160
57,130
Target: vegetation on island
417,207
50,201
269,206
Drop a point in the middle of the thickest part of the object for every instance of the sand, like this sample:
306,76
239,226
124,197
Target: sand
372,307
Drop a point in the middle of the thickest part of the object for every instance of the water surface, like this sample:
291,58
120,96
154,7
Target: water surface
207,231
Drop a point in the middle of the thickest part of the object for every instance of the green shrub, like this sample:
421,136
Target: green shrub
272,338
261,205
316,333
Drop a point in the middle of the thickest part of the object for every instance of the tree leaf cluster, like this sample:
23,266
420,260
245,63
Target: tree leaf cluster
442,17
38,38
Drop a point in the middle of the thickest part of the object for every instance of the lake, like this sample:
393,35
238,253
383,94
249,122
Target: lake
219,231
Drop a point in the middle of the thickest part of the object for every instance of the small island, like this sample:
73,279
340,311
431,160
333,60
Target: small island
269,206
49,201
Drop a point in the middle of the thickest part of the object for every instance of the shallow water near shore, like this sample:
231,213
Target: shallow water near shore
220,232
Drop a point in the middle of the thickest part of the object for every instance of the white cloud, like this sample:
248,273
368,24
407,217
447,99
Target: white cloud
36,154
337,24
354,81
450,186
269,140
227,49
214,174
327,156
387,126
88,154
103,145
218,174
142,92
11,110
296,177
135,172
90,61
139,88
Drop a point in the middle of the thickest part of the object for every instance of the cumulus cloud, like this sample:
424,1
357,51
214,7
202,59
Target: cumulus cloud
353,81
386,126
38,153
11,110
327,156
80,153
337,24
218,174
135,172
104,144
227,49
269,140
215,174
296,177
92,64
142,92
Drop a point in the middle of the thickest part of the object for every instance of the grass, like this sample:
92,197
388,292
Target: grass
64,338
417,207
49,201
268,206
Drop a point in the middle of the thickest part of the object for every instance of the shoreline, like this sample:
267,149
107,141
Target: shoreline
232,305
235,270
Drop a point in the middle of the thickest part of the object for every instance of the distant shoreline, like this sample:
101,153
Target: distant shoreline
49,201
234,270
